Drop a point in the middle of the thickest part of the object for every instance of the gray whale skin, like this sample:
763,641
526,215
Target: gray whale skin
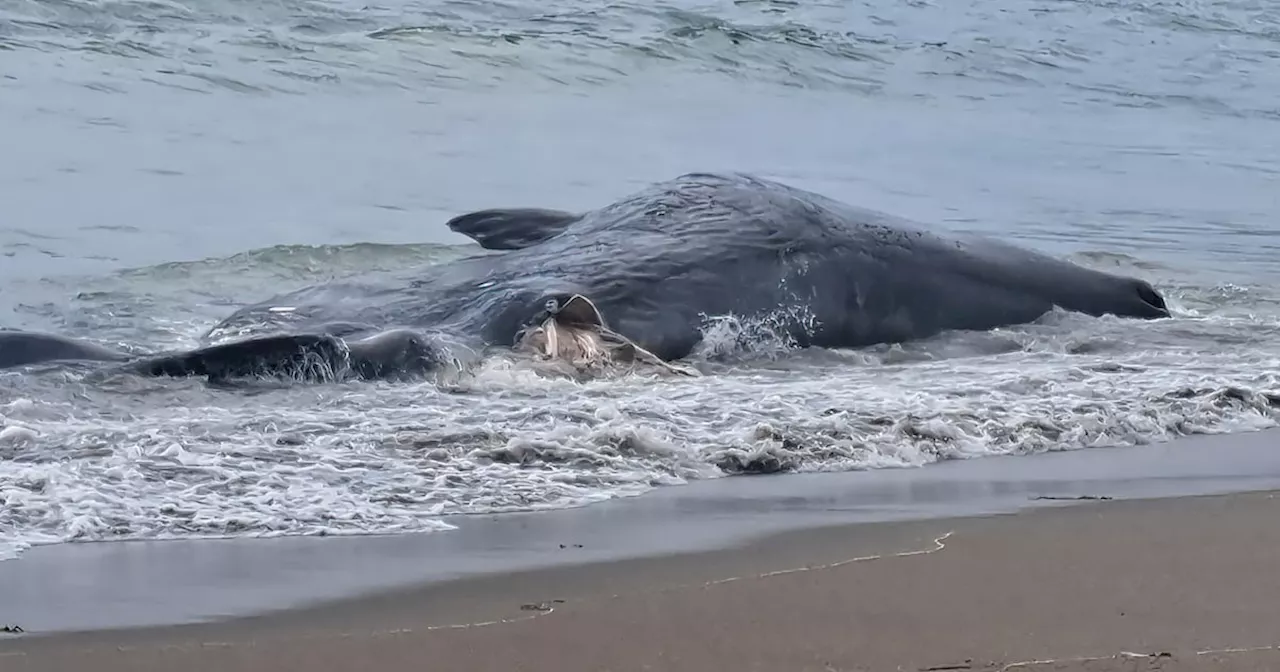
656,264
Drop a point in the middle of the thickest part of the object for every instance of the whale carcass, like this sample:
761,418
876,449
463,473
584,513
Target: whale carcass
645,273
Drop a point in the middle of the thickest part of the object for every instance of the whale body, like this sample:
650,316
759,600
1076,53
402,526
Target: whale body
656,265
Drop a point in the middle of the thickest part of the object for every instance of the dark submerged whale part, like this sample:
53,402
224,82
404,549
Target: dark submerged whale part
387,354
21,348
511,228
658,263
305,356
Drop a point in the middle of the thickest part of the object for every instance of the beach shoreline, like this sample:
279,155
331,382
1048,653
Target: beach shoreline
123,585
1167,528
1183,581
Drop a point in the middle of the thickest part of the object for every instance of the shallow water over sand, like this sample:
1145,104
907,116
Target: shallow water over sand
92,586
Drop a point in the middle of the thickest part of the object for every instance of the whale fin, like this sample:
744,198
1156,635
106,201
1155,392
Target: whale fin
511,228
22,348
304,356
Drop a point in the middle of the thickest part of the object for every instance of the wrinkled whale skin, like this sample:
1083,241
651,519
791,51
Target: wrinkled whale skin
659,262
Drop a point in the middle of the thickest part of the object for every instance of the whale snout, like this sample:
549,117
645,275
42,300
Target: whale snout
1151,303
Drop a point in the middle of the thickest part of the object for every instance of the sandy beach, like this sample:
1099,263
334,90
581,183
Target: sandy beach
1168,584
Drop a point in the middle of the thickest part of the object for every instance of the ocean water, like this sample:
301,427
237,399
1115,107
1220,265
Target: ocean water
167,161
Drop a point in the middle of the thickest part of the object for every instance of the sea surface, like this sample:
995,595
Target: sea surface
167,161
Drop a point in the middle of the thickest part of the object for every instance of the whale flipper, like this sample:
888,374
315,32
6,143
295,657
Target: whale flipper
511,228
21,348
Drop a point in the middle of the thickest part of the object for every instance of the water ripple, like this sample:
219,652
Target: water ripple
1206,60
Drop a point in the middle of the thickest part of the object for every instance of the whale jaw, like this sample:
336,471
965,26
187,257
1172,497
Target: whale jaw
574,336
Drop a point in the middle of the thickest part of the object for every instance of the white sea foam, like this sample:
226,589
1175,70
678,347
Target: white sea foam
140,458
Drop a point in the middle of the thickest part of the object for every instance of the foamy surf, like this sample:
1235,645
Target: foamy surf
132,458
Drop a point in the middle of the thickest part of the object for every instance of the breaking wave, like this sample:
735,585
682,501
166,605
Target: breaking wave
131,458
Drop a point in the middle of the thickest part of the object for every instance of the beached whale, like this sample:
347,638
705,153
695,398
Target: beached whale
642,275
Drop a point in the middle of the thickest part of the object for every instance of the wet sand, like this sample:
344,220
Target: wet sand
1172,583
1184,583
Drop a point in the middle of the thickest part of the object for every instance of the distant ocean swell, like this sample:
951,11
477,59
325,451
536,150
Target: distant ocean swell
910,49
